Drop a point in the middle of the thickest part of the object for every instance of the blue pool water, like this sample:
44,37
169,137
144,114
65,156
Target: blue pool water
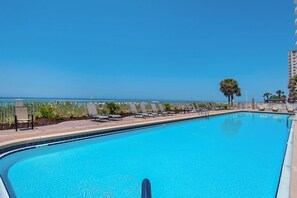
234,155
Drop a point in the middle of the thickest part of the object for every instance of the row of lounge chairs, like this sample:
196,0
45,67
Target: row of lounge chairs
93,114
144,113
194,108
276,108
22,116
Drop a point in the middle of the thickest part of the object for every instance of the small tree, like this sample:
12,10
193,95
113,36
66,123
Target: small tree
267,95
112,107
279,93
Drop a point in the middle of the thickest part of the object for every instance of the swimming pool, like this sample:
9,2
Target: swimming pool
232,155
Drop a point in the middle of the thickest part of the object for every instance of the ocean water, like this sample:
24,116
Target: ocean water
11,101
233,155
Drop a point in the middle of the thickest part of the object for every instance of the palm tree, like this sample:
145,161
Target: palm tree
279,93
229,87
267,95
237,92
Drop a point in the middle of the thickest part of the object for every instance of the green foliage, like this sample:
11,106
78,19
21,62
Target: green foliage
279,93
230,88
47,111
167,107
112,107
293,87
223,106
267,95
104,111
10,120
37,115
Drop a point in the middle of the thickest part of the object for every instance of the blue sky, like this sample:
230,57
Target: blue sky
135,49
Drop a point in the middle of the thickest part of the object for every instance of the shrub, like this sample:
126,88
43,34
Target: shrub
167,107
37,115
112,107
47,111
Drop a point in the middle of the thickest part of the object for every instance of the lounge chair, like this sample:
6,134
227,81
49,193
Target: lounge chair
22,116
162,110
274,108
154,109
114,116
190,108
194,109
93,114
201,109
214,106
143,110
261,108
290,109
136,113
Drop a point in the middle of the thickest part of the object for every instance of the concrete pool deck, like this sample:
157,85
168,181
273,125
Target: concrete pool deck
293,178
11,137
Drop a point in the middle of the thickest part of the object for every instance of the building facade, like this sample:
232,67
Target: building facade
292,62
292,54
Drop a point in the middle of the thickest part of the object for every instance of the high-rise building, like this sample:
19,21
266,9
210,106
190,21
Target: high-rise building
292,55
292,60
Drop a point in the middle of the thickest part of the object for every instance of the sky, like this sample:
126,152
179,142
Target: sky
144,49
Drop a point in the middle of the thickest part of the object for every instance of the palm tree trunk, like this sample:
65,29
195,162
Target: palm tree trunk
232,98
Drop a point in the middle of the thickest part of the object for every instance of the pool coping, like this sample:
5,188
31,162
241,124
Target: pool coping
3,190
29,143
293,175
284,181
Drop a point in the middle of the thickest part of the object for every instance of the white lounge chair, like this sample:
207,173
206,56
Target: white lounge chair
136,113
162,110
154,109
275,108
290,109
22,116
143,110
93,114
261,108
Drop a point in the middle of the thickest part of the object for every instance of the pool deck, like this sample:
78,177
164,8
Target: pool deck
70,128
12,137
293,178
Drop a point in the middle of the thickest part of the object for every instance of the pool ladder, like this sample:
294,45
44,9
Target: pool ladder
288,118
146,191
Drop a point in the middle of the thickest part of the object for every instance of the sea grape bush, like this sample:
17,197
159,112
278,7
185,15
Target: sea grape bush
56,110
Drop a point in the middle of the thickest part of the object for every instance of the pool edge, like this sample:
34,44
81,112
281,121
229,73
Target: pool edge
283,190
85,134
45,139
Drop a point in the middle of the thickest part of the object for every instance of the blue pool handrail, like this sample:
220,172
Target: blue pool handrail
146,189
289,119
